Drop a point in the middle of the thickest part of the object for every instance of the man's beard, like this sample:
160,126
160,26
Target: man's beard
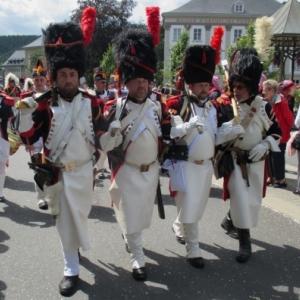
69,93
202,96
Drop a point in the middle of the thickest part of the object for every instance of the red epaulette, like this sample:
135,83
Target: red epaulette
215,103
224,99
7,100
173,102
108,104
26,95
158,95
88,93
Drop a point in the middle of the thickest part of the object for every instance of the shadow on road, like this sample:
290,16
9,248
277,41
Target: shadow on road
263,277
19,185
3,287
102,213
26,216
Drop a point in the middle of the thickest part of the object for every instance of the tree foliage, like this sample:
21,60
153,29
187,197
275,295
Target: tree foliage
11,43
248,41
176,54
112,17
159,76
34,56
108,62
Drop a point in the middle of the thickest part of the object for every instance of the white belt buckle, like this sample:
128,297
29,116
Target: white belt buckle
70,166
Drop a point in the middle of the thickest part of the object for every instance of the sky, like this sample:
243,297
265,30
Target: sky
27,17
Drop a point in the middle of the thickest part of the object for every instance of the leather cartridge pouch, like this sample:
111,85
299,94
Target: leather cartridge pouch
223,163
175,151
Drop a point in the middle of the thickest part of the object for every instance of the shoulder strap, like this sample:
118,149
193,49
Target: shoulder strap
118,106
255,105
59,143
136,123
184,105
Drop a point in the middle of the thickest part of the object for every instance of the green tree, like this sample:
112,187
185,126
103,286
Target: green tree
108,62
248,41
34,56
159,76
111,18
176,54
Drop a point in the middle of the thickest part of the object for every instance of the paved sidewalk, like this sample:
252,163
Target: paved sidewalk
281,200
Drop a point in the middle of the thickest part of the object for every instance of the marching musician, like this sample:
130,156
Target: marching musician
11,86
38,82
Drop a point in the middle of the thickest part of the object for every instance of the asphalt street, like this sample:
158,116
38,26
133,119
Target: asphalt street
31,262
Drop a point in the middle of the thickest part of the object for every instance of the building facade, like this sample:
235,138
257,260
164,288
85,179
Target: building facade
200,17
21,61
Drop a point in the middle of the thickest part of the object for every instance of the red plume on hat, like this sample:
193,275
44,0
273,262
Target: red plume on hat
216,42
88,21
153,23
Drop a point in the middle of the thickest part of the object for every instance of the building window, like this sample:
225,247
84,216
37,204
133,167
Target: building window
237,34
197,35
176,34
273,67
238,7
296,67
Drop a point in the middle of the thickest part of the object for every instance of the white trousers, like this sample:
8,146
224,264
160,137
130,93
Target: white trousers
71,260
178,228
135,245
101,161
191,233
2,178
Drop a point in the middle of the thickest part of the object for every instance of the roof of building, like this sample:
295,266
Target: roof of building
216,7
36,43
16,59
286,19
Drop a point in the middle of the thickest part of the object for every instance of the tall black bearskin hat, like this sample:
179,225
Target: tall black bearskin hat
134,49
199,64
134,52
64,43
246,67
39,70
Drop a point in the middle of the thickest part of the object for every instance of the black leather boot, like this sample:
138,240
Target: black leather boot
245,245
68,285
229,227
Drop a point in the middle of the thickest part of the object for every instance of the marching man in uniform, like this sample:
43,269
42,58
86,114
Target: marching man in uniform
248,137
135,176
67,125
6,113
100,81
39,86
195,126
